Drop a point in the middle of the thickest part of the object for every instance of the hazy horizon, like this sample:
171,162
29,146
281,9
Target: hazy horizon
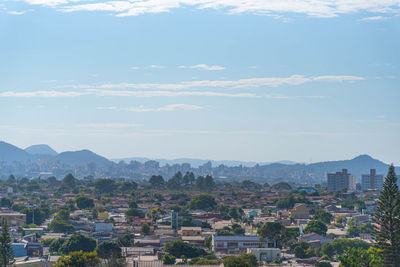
260,81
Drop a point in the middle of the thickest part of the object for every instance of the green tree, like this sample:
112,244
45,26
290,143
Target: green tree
387,217
110,251
272,231
62,214
145,229
60,226
83,202
179,248
157,181
203,202
358,257
235,261
78,242
323,216
105,185
78,259
69,181
6,251
56,244
168,259
250,258
302,250
125,240
133,212
5,202
317,227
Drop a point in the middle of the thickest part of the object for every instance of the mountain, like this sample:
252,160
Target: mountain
41,149
10,153
358,165
81,157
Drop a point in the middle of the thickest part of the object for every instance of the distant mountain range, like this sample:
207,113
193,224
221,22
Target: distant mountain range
10,153
40,160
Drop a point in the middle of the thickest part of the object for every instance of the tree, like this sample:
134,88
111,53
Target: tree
387,217
203,202
179,248
56,244
157,181
78,259
125,240
145,230
302,250
110,251
133,212
272,231
282,186
62,214
6,251
78,242
60,226
323,216
235,261
69,181
105,185
5,202
250,258
168,259
83,202
317,227
358,257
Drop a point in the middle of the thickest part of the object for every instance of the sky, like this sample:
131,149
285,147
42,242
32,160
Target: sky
256,80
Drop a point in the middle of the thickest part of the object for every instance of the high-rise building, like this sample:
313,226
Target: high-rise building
372,181
341,180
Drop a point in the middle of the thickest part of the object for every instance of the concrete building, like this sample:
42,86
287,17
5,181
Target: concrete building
265,254
237,244
341,180
372,181
13,218
300,211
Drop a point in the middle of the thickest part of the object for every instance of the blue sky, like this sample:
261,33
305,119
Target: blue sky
260,80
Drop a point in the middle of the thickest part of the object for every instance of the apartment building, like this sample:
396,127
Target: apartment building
341,180
372,181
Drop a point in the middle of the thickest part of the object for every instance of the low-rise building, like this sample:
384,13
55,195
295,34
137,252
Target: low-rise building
13,218
237,243
265,254
300,211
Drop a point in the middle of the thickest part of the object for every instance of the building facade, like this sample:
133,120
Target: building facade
372,181
237,243
341,180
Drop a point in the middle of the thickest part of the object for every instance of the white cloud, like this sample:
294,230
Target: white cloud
171,107
156,67
202,66
232,84
108,125
167,93
13,12
337,78
107,108
46,94
313,8
374,18
134,68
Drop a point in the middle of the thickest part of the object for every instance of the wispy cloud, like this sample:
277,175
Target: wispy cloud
374,18
122,93
167,93
108,125
156,67
171,107
18,13
203,67
321,8
134,68
45,94
231,84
